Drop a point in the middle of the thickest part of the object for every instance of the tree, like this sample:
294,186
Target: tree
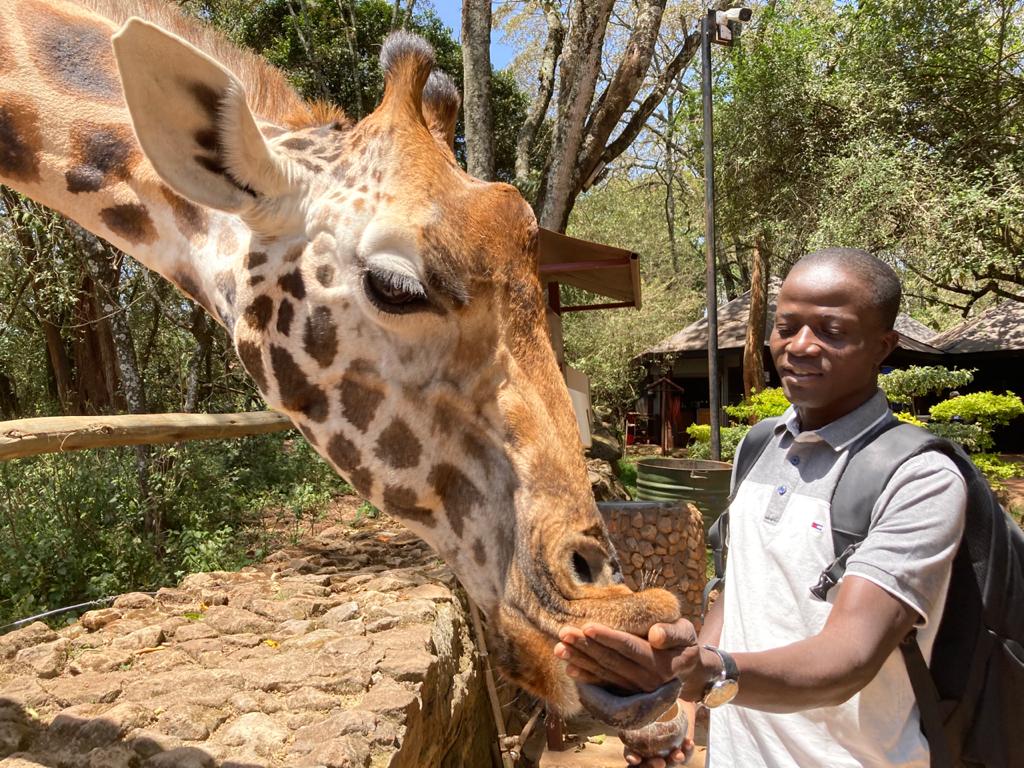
599,110
476,94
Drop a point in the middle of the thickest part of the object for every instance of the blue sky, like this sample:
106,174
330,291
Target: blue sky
450,12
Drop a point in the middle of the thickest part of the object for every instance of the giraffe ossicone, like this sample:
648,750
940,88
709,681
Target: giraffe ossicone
383,299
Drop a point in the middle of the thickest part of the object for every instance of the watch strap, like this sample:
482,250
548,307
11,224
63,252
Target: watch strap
729,669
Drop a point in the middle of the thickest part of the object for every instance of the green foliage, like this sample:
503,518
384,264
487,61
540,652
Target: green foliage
902,385
71,524
761,405
908,418
985,409
995,468
973,437
627,475
701,434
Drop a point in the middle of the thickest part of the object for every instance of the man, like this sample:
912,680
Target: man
820,683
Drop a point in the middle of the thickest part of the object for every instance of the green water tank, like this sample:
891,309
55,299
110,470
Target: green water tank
704,483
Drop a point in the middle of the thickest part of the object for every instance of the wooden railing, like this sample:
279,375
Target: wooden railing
31,437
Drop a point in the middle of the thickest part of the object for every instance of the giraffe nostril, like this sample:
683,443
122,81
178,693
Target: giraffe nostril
582,569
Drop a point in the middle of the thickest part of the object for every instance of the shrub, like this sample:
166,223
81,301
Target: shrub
973,437
995,468
701,434
903,385
761,405
908,418
985,409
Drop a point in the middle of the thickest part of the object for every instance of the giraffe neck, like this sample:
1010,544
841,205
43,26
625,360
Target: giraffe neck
66,140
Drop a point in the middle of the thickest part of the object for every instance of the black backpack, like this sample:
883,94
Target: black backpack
971,699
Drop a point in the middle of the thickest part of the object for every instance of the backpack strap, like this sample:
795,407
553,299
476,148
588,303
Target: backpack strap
928,700
862,483
874,460
747,454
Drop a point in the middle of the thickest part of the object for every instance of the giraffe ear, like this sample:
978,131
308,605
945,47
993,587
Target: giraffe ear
193,122
441,101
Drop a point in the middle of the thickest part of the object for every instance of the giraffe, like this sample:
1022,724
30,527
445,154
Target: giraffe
385,301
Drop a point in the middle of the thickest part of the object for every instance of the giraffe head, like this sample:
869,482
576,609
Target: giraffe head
390,305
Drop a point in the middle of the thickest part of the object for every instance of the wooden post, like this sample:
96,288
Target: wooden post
31,437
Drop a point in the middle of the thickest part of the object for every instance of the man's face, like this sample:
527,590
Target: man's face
827,343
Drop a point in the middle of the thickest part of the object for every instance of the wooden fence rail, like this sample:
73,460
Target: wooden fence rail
31,437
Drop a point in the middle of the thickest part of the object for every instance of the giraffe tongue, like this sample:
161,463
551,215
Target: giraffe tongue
627,711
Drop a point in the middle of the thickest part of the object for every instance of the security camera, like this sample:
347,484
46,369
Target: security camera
737,14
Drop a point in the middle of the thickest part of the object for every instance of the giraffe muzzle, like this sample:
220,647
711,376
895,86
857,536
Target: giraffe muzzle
627,711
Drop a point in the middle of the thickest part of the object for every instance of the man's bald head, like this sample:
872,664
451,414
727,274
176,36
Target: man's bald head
882,285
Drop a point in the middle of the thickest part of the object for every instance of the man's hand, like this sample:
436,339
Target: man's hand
664,743
600,655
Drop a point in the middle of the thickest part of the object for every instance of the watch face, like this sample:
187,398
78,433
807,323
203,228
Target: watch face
721,692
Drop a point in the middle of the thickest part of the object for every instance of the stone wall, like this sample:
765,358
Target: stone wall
660,544
353,652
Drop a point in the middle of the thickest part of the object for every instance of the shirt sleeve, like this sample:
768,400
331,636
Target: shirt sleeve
916,526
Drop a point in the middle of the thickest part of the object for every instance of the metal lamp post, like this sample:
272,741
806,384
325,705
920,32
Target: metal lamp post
722,28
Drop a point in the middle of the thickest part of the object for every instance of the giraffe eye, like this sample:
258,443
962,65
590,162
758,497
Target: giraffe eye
394,292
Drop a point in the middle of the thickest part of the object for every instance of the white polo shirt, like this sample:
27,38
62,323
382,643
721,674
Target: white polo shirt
780,540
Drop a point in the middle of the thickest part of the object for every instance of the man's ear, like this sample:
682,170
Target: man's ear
192,120
889,342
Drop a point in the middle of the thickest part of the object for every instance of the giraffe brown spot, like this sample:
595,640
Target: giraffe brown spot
343,453
297,143
259,311
325,275
398,447
320,338
285,313
332,157
307,164
296,393
457,493
361,394
479,553
309,435
294,253
20,139
256,280
130,221
190,218
252,360
103,154
254,259
74,53
362,481
401,502
293,284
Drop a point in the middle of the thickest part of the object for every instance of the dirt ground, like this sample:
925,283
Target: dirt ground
590,745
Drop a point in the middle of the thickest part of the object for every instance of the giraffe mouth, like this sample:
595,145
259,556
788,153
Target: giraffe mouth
627,711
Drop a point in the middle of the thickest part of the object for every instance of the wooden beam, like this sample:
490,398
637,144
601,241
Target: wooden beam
592,307
31,437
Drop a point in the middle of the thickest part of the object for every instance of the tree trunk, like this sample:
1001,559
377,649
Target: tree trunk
539,106
476,67
9,406
753,350
581,62
108,278
200,355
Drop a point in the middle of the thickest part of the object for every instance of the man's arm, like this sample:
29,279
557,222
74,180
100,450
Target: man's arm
865,625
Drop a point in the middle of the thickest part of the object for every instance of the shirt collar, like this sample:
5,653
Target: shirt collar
843,431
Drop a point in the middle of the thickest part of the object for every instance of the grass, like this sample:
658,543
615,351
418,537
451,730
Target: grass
627,474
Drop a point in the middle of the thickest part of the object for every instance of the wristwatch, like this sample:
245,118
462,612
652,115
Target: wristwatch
724,688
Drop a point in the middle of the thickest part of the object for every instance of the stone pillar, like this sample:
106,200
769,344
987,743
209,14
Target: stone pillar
660,544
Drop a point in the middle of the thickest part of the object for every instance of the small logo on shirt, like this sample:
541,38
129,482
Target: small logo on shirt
818,526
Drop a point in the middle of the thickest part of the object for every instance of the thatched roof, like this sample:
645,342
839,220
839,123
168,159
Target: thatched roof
732,329
999,329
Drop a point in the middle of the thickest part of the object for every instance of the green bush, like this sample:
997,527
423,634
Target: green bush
985,409
903,385
995,468
701,434
71,525
761,405
973,437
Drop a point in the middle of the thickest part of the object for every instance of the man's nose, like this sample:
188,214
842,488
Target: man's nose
804,343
